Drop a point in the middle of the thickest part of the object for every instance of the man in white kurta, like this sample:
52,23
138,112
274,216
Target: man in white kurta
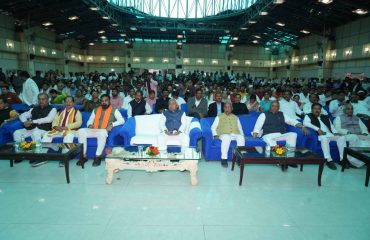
227,127
30,90
354,130
336,106
288,107
172,124
101,121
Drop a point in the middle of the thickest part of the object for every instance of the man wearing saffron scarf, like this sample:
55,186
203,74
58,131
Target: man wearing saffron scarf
101,121
172,125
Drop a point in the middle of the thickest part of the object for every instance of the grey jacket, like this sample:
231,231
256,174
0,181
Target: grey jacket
202,107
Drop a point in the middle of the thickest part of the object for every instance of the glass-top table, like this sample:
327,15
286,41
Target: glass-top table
264,155
136,158
46,152
362,154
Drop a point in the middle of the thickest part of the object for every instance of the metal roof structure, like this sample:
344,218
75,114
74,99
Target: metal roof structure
270,23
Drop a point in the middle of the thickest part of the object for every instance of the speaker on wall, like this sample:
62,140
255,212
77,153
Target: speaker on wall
67,61
81,64
32,56
274,69
179,66
288,67
129,65
228,68
319,63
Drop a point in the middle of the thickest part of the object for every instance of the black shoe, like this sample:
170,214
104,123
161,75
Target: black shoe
17,161
81,162
331,165
32,161
61,163
97,161
224,163
293,165
38,163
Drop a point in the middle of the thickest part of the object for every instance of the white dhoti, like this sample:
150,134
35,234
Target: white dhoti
357,141
164,140
290,138
226,140
68,138
326,139
100,135
36,134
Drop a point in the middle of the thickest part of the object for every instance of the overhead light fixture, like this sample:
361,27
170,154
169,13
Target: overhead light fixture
305,31
279,1
257,36
53,52
252,22
105,17
127,42
46,24
101,32
325,1
103,37
91,44
72,18
281,24
133,28
255,41
162,29
94,8
231,45
264,13
243,28
114,24
123,35
360,11
235,38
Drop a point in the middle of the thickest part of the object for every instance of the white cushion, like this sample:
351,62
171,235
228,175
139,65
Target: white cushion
147,124
144,139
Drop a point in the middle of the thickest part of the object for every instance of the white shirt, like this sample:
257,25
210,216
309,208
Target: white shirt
126,101
197,102
162,123
148,109
290,108
323,127
48,119
335,109
338,126
215,125
360,108
303,98
29,93
261,121
119,119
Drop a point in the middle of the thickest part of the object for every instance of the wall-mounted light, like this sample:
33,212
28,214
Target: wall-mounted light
214,61
90,58
305,59
367,50
165,60
115,59
53,52
235,62
315,56
286,61
9,44
186,60
150,60
200,61
247,62
73,56
103,59
136,60
348,52
43,51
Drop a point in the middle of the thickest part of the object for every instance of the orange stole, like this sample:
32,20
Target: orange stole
107,113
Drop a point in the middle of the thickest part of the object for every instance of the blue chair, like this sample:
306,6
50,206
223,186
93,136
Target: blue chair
21,107
184,107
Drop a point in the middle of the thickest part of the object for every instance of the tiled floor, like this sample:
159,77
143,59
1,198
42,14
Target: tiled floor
38,204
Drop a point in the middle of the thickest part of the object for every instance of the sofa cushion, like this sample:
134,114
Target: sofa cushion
147,124
144,139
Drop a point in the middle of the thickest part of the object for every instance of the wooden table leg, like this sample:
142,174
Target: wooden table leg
233,164
367,175
241,173
82,156
301,168
321,169
344,159
193,168
66,168
11,163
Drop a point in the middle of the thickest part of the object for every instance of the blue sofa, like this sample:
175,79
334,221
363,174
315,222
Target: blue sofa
113,139
212,147
128,130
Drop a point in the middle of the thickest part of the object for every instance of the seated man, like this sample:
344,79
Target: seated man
326,131
101,121
198,105
7,114
217,107
162,103
10,97
116,100
37,122
359,107
56,98
271,126
172,126
138,106
308,106
227,127
288,107
336,106
238,107
354,131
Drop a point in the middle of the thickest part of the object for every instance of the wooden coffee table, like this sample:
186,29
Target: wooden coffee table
259,155
362,154
48,152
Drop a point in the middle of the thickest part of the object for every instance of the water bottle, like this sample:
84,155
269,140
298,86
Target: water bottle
38,145
23,138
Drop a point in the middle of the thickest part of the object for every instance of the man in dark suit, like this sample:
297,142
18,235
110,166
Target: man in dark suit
216,108
197,106
238,107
